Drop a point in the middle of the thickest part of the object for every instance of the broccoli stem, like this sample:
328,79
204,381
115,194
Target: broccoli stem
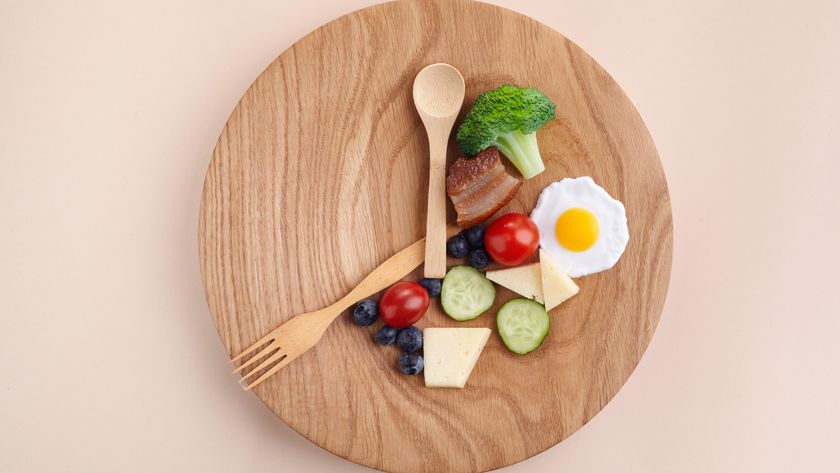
522,150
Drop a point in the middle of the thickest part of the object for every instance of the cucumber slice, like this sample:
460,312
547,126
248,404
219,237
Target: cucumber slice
466,293
523,325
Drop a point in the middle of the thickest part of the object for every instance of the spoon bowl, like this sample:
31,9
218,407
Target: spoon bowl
438,91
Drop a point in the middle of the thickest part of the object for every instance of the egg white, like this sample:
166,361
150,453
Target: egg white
613,234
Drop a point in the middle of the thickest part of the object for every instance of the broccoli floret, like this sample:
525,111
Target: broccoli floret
508,118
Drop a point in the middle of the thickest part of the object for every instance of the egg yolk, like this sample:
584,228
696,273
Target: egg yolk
577,229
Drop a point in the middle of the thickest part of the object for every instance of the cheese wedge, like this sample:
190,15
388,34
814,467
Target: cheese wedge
450,355
543,282
523,280
556,285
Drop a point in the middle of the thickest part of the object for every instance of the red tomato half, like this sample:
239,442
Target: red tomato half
403,304
511,239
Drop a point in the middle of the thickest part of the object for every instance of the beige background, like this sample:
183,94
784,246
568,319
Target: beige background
108,114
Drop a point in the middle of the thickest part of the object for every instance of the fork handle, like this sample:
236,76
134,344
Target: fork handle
387,273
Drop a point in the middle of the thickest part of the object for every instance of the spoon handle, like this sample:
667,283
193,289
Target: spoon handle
435,266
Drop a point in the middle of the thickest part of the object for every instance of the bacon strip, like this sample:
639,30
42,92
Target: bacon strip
480,186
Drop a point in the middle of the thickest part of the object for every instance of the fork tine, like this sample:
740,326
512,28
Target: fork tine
285,361
265,351
271,359
253,347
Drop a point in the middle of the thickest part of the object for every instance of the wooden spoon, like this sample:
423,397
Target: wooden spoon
438,96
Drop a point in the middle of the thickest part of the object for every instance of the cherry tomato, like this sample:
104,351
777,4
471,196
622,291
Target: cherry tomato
511,239
403,304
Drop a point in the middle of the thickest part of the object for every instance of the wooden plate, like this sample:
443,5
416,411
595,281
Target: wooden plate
320,175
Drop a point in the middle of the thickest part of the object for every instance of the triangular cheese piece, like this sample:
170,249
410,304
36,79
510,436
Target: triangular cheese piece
450,355
523,280
556,285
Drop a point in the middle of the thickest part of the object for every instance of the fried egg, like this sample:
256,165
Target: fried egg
581,226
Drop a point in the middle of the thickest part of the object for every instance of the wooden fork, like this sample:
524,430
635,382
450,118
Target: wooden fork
303,331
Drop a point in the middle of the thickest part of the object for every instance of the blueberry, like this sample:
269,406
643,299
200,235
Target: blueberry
457,246
475,236
386,335
479,259
364,313
410,339
432,286
410,363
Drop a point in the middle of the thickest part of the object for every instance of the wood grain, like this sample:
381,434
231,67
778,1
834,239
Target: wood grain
320,175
